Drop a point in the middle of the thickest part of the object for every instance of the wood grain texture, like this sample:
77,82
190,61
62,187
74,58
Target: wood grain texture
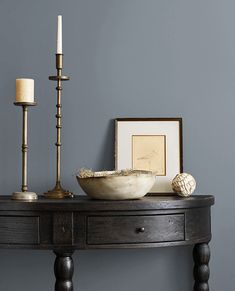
197,223
19,230
134,229
83,203
68,223
63,228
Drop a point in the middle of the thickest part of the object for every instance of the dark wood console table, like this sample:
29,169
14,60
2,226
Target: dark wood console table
80,223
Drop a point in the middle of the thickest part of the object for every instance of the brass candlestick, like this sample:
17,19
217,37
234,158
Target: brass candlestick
24,194
58,192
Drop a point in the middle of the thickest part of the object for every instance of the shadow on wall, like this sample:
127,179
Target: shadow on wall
106,157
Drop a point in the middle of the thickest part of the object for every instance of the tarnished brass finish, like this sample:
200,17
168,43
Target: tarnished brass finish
25,103
59,61
24,149
58,192
24,195
56,78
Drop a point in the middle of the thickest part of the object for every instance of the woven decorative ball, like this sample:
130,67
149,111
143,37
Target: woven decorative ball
184,184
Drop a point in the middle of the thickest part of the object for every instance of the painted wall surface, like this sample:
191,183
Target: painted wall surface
126,58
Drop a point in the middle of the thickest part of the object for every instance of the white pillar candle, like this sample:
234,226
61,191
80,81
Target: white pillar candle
59,35
25,90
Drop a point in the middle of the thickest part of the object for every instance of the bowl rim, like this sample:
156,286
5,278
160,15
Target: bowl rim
112,174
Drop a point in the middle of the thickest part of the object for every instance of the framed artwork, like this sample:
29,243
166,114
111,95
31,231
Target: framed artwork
152,144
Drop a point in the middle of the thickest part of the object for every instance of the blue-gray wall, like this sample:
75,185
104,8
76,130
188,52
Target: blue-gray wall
126,58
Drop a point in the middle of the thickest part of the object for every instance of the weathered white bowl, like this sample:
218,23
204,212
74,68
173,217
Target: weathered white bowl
108,186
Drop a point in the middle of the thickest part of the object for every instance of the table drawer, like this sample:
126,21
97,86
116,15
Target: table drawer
134,229
19,230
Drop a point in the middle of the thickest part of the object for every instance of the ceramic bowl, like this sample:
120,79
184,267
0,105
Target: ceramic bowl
110,185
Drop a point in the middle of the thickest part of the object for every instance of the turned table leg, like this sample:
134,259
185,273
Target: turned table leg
63,269
201,256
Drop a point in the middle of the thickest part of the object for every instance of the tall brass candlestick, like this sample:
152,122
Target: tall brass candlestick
24,195
58,192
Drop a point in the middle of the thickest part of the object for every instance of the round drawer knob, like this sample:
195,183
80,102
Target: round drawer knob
140,229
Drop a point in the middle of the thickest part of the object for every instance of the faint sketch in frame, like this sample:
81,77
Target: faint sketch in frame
149,153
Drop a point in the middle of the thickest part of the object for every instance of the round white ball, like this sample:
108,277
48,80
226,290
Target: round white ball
184,184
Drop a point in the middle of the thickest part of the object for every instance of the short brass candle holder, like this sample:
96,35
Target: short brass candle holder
58,192
24,194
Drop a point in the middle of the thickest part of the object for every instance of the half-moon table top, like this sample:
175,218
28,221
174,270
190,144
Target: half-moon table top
84,203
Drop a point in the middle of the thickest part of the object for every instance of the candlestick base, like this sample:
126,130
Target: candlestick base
26,196
58,193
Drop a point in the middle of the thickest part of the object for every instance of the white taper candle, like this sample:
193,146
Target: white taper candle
59,35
